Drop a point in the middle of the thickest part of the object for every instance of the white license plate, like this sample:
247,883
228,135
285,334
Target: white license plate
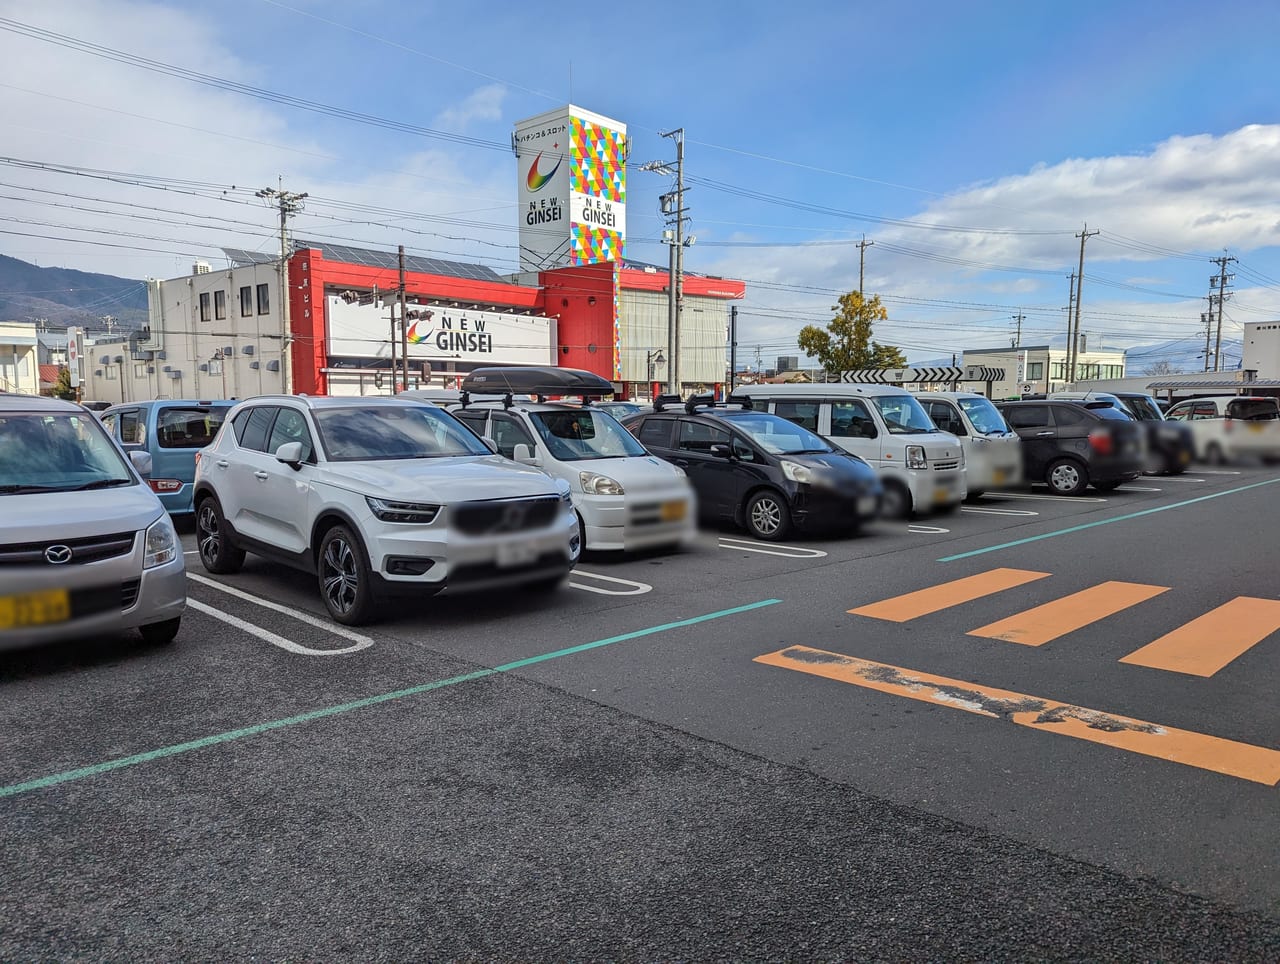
516,554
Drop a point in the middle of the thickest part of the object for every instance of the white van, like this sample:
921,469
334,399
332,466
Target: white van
1226,427
992,450
922,468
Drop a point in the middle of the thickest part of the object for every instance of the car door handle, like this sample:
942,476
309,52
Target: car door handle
1044,435
261,476
222,463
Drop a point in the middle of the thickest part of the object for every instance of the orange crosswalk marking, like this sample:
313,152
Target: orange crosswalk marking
900,609
1037,626
1205,645
1244,760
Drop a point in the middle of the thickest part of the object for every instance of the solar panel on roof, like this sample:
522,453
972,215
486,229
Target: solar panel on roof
412,262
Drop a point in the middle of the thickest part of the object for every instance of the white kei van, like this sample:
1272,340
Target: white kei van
922,468
992,450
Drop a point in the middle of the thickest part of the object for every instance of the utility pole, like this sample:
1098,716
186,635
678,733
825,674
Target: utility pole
1071,304
288,204
862,261
404,329
674,236
1017,336
1206,319
1221,283
733,347
1074,346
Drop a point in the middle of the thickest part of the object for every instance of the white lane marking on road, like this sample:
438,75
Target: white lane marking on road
771,549
992,510
636,588
926,530
192,552
1178,478
361,642
1217,472
268,636
1139,488
1050,498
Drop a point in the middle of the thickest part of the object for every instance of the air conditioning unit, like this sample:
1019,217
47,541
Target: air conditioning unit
254,365
176,373
273,365
201,267
247,350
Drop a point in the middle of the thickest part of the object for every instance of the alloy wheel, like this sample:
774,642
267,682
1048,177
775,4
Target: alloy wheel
340,577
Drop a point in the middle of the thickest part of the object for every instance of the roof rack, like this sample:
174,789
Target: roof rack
695,402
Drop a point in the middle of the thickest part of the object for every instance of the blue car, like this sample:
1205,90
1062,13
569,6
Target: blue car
172,430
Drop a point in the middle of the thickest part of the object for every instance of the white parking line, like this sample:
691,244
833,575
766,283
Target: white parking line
637,588
1049,498
267,635
1139,488
361,642
770,548
992,510
1217,472
926,530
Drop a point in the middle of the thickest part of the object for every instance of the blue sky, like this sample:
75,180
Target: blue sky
970,142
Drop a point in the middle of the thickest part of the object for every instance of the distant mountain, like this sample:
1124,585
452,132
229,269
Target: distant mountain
65,296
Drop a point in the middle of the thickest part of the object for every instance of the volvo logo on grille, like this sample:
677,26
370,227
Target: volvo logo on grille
57,555
512,517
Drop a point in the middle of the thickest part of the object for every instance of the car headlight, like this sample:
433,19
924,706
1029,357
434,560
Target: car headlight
680,473
595,484
161,543
421,513
915,457
798,473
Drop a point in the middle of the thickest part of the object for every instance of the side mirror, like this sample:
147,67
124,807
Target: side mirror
721,451
522,454
141,461
489,443
290,454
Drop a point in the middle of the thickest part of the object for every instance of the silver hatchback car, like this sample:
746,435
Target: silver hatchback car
86,548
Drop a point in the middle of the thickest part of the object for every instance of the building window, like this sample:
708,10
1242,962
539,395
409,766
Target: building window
246,301
220,304
215,366
110,372
204,306
1035,371
1058,370
140,370
264,299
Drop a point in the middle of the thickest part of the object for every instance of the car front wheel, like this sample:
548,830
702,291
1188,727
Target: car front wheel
213,541
768,517
1067,477
346,584
158,634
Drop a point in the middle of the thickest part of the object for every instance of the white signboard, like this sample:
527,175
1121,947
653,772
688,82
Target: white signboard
73,356
438,334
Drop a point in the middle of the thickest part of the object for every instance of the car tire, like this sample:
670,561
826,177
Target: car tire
1214,455
582,534
1067,477
767,516
1106,486
896,501
213,540
160,634
346,583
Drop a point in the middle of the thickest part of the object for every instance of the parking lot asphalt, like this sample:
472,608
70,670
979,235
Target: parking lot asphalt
821,749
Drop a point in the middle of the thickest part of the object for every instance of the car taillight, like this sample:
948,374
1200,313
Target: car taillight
197,459
1101,441
164,485
1228,424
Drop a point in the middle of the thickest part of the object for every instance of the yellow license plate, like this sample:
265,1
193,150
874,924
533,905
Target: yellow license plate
999,475
673,511
35,608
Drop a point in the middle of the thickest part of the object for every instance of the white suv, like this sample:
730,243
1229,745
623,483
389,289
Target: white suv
378,497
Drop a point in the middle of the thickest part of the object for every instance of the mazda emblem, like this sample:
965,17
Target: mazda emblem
57,555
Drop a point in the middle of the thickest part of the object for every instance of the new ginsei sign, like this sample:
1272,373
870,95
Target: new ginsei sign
440,333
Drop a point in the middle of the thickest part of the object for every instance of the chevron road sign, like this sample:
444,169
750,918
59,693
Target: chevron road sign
981,373
896,376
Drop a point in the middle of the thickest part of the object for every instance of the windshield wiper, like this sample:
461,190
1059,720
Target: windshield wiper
16,489
97,484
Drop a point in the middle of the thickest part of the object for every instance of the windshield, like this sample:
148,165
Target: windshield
903,415
57,453
985,417
375,432
1142,408
578,434
780,436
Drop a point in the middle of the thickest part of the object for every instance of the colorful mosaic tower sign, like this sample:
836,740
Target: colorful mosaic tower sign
572,188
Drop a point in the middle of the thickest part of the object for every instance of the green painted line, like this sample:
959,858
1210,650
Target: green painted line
1106,522
81,773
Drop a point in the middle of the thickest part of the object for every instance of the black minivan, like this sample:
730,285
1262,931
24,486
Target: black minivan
1072,445
760,471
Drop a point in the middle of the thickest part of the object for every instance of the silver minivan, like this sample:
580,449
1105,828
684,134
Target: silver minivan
86,548
992,450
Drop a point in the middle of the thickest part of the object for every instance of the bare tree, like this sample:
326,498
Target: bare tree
1162,368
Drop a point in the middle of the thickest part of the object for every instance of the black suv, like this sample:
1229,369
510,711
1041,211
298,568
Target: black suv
1072,445
763,472
1170,445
